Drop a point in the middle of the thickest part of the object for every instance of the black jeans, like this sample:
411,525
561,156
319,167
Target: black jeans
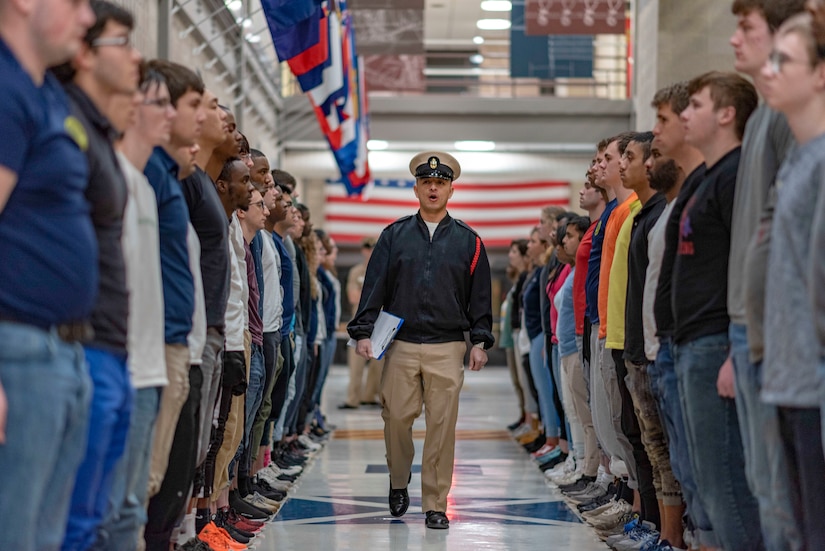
168,505
279,391
801,432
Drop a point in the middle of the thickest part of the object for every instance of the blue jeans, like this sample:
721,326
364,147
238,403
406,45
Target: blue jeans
127,501
284,387
47,386
327,354
765,464
556,359
544,385
112,398
300,375
715,444
254,398
665,388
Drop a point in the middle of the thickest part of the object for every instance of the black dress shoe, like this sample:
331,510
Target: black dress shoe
399,502
437,520
346,406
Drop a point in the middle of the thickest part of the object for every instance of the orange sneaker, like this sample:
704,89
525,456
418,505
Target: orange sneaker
219,539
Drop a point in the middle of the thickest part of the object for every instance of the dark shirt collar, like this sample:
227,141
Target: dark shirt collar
652,202
90,111
166,161
723,161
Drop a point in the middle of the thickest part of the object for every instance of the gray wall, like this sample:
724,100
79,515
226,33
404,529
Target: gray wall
677,40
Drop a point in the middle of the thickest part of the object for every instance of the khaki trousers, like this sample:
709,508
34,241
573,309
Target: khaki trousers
417,375
233,432
357,392
575,391
172,399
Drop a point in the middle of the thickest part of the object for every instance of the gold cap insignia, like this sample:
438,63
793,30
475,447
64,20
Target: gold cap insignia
433,162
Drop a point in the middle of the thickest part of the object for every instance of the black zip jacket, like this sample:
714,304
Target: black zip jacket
441,288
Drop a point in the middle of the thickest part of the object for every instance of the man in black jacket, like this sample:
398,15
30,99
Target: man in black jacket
432,271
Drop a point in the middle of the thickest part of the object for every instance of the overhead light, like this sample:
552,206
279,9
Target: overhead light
476,58
253,38
493,24
478,40
377,145
246,23
234,5
496,5
474,145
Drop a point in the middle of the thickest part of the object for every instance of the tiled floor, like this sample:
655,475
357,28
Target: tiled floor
498,501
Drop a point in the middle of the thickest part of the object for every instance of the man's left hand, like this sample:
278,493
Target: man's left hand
478,358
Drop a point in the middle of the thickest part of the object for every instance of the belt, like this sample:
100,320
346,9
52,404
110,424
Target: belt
77,331
71,332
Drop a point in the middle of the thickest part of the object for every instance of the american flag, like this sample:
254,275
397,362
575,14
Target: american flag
498,211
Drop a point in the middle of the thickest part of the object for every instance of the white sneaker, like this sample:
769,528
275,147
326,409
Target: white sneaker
308,443
565,479
272,479
291,471
599,510
563,470
257,500
611,516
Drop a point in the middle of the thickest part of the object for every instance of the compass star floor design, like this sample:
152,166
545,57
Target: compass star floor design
499,500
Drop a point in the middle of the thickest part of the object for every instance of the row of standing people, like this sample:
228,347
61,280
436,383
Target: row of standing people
167,311
682,342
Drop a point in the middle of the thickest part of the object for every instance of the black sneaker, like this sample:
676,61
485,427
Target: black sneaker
560,458
578,485
245,509
266,491
237,534
594,503
536,444
513,426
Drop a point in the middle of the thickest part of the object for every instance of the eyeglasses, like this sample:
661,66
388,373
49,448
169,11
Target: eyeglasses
777,59
116,41
163,103
259,204
245,156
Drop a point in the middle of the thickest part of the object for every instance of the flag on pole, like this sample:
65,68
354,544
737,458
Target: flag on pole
317,41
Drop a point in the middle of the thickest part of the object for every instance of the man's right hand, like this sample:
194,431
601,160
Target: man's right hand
364,349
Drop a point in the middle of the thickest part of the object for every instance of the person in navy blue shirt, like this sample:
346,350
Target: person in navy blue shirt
176,428
283,217
49,274
105,68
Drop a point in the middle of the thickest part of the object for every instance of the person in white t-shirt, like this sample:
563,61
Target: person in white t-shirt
146,343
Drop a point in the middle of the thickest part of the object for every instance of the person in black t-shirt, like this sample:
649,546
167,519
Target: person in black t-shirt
720,104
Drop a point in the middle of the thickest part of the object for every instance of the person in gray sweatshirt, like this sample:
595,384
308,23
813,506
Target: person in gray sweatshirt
794,84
